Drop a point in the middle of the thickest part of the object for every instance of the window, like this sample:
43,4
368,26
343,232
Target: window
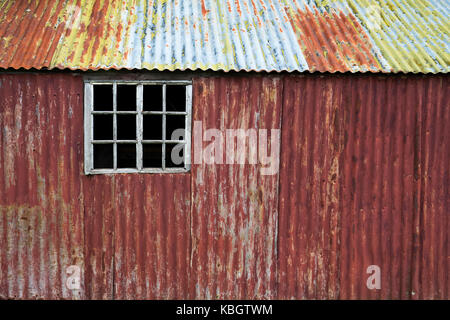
137,126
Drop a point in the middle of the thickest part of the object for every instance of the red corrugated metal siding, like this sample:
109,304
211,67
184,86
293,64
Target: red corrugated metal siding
431,258
353,187
308,217
41,206
128,233
364,179
234,207
151,236
98,200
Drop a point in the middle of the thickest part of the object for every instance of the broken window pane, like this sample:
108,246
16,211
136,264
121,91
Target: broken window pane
103,127
152,155
126,97
175,98
126,156
103,97
103,156
153,97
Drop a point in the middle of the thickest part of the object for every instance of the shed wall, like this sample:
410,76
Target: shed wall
357,189
235,207
363,180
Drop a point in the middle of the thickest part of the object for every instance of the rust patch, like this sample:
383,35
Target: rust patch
328,42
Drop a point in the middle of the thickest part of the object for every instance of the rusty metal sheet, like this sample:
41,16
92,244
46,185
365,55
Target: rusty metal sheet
363,180
431,255
162,35
335,42
152,233
41,205
234,207
132,228
309,202
261,35
357,188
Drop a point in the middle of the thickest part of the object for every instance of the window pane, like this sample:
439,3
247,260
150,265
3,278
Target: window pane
175,155
103,97
175,98
126,156
152,127
103,127
152,155
126,97
103,156
126,127
152,100
174,122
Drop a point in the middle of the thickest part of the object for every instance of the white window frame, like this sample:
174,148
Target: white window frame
89,128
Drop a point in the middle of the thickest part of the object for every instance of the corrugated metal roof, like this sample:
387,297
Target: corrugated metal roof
270,35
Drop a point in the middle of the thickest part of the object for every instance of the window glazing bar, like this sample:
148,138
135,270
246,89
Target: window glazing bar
164,129
139,125
115,125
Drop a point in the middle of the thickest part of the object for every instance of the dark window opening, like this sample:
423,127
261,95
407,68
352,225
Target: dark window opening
126,127
153,98
126,156
103,127
152,127
174,122
103,97
103,156
175,98
126,97
152,155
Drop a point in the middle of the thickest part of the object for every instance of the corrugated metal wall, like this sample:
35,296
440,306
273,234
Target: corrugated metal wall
364,179
128,233
41,200
137,236
234,207
431,255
